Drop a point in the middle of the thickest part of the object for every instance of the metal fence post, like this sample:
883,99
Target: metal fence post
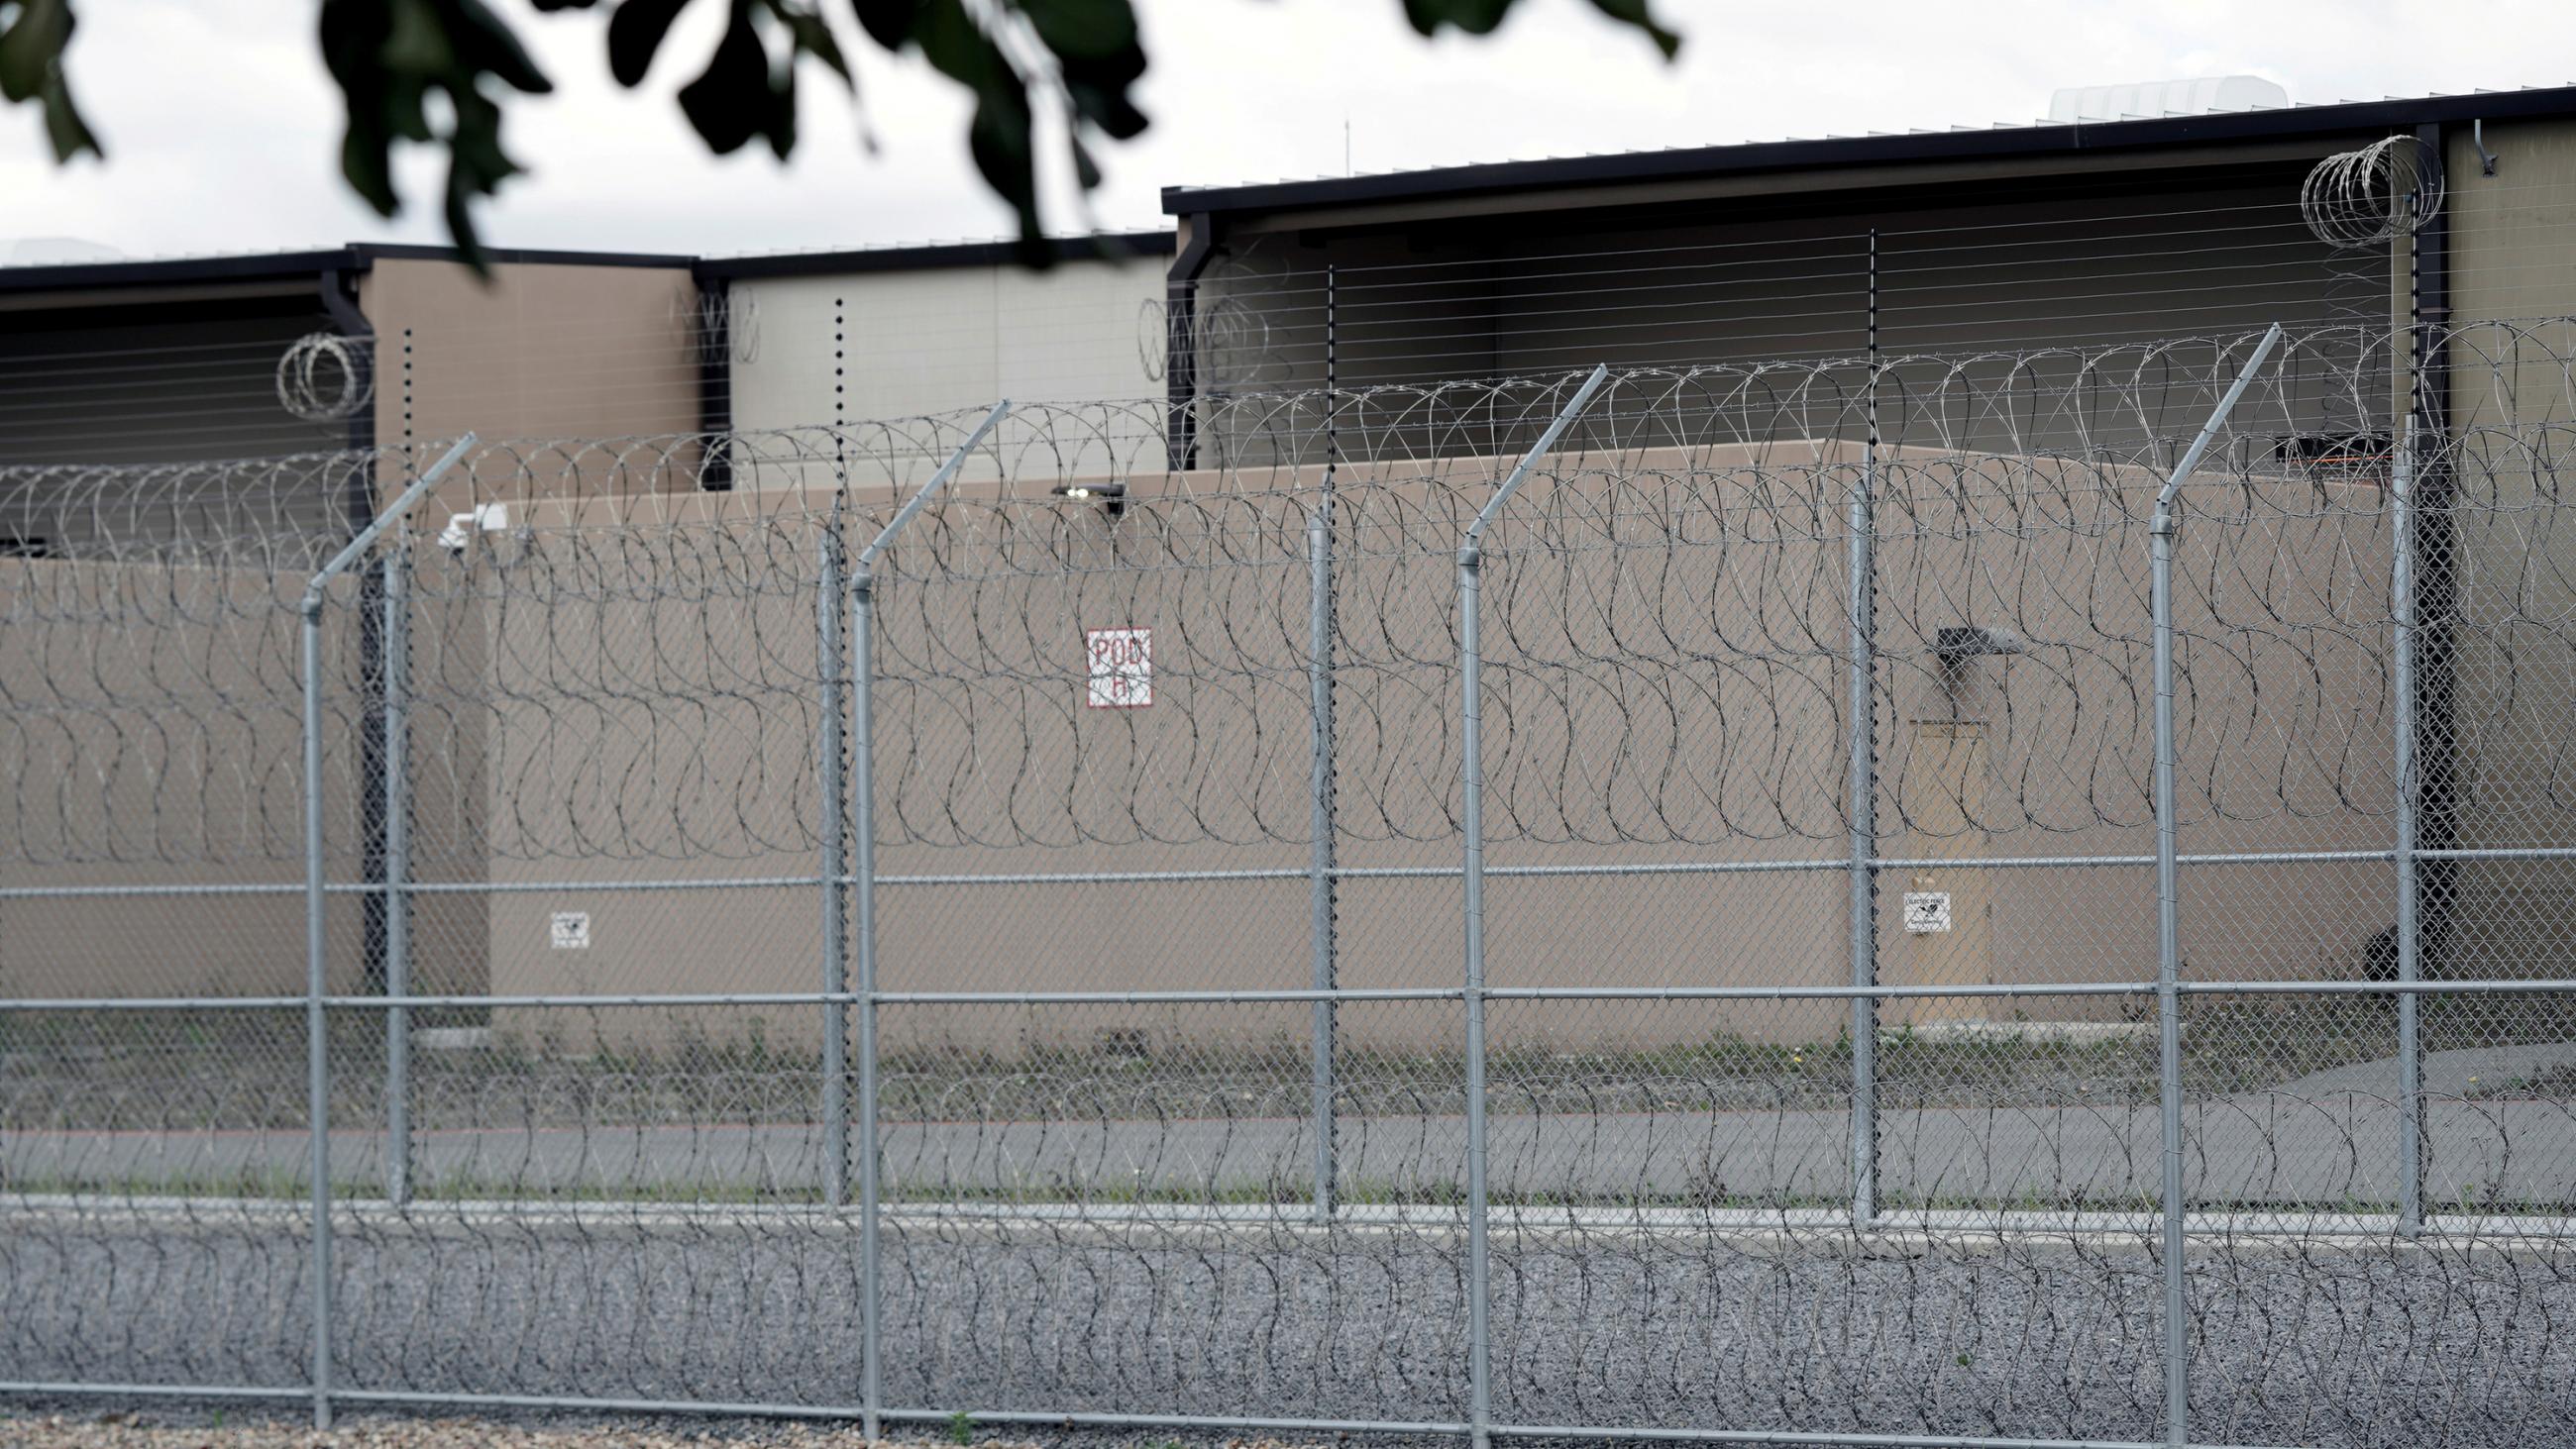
1863,796
863,882
397,761
317,1064
1319,684
317,1051
1480,1357
2410,1045
863,855
2177,1367
1319,564
834,804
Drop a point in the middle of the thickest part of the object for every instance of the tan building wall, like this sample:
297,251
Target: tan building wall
540,352
937,339
1647,705
149,734
151,677
2513,239
874,350
628,692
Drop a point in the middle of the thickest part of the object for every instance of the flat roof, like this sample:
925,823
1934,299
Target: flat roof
252,267
275,266
1996,143
1096,246
258,267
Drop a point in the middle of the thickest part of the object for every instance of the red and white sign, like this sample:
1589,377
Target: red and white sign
1122,667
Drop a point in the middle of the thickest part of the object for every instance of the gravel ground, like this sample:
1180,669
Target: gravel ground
116,1429
183,1429
2371,1345
205,1429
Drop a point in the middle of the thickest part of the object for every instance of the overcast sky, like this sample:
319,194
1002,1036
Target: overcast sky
221,133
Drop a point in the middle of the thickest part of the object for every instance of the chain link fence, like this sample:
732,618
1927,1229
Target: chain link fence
1910,901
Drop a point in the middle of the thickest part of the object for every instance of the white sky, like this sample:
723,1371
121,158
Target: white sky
221,133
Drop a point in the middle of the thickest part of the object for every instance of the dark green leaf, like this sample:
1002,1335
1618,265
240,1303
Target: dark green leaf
1083,28
416,42
1000,140
782,113
729,101
393,58
958,48
888,22
390,57
1639,14
1476,17
810,36
484,43
32,41
635,33
1479,17
31,45
64,127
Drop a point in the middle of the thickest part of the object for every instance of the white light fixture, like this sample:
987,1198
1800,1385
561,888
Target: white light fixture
1112,497
482,518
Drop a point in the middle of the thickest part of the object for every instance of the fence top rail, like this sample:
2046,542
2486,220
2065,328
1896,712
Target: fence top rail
1675,991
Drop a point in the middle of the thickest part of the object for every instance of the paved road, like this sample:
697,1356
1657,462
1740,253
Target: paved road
734,1296
2323,1147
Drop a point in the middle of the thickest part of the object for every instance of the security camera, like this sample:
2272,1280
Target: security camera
1957,644
461,527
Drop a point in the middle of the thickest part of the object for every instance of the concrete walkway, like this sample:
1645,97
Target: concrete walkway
2327,1142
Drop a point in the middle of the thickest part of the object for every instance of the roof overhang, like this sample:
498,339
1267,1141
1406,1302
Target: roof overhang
1101,246
262,273
104,283
1853,162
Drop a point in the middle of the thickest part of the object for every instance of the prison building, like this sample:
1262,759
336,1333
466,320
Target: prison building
2001,338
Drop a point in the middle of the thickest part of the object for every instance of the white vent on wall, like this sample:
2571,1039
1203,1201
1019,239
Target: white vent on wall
2166,98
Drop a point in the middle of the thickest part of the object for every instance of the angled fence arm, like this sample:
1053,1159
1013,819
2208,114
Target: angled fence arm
2177,1383
317,1079
1480,1366
863,883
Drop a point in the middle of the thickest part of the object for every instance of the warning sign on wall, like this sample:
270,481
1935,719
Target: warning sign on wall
1122,667
1927,912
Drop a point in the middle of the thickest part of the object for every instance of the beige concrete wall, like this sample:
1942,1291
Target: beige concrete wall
1648,703
540,352
2513,238
535,351
151,675
149,735
815,351
628,693
936,340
